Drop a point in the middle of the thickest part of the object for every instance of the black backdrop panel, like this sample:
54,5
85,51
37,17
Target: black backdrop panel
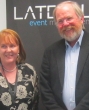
33,21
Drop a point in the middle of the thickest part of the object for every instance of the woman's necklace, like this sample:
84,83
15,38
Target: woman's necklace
12,92
9,70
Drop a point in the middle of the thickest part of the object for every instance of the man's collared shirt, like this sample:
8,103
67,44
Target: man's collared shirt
71,61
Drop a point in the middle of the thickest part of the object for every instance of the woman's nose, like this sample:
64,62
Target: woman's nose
8,48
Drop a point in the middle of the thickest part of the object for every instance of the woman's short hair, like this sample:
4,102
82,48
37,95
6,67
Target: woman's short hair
11,36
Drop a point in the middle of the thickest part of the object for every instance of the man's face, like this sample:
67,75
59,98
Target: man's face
68,23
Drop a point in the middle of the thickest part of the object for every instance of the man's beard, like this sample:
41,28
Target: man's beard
72,37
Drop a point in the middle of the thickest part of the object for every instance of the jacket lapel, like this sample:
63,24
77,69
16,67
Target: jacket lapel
60,56
84,52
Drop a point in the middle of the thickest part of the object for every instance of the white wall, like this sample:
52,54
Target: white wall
2,14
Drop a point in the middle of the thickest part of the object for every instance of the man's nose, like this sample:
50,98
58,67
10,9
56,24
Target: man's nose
65,22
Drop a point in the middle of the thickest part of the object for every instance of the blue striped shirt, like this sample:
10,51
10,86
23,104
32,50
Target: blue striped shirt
71,61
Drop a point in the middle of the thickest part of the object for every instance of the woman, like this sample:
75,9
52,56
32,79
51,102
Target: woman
18,80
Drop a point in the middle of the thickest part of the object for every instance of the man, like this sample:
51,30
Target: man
64,77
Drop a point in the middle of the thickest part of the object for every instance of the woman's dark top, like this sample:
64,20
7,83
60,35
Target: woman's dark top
26,97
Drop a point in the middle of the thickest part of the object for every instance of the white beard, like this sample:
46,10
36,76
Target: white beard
72,37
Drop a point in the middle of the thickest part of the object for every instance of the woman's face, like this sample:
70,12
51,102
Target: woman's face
9,52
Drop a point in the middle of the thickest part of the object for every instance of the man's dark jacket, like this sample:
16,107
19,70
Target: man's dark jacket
52,76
